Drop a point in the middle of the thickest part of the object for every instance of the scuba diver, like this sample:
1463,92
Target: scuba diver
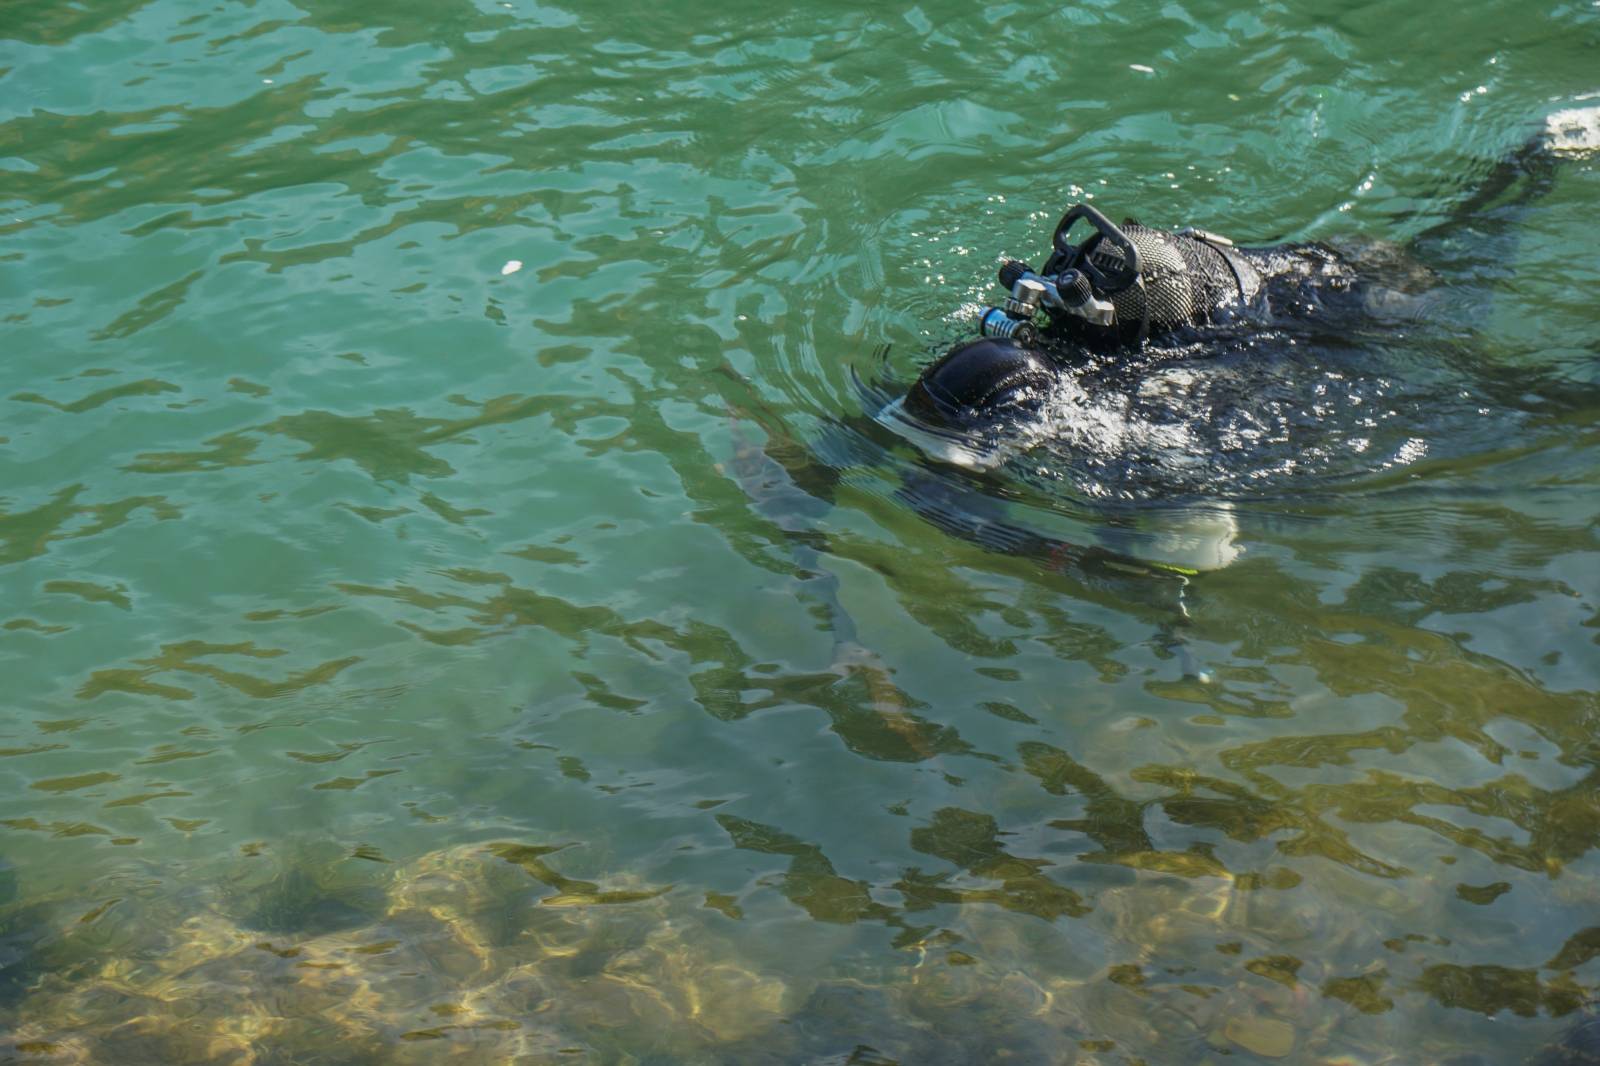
1120,297
1155,378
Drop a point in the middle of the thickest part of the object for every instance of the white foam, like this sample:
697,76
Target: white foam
1198,538
1105,424
1573,130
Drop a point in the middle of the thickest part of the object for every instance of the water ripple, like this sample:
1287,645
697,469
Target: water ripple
472,663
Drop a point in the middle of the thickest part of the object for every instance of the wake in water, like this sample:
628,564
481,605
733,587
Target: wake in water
1306,369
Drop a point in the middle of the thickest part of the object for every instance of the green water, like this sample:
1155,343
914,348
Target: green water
407,660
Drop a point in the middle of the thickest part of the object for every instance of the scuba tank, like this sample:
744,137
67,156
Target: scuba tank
1114,289
1120,284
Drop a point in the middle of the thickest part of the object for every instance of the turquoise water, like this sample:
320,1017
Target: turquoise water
414,657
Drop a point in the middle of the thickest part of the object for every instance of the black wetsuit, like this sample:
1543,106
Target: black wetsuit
1187,287
1192,288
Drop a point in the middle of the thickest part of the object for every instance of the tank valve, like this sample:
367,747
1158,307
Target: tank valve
996,323
1076,296
1026,297
1074,289
1014,319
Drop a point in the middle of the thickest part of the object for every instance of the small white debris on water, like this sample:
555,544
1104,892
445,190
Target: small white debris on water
1141,68
511,267
266,81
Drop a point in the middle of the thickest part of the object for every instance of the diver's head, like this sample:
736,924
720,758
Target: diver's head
978,381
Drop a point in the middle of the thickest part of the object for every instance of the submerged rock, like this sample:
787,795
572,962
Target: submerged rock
465,955
1270,1038
308,890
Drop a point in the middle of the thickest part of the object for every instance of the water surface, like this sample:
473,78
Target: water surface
409,658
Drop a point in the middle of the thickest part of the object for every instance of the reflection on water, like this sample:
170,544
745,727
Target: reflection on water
26,534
